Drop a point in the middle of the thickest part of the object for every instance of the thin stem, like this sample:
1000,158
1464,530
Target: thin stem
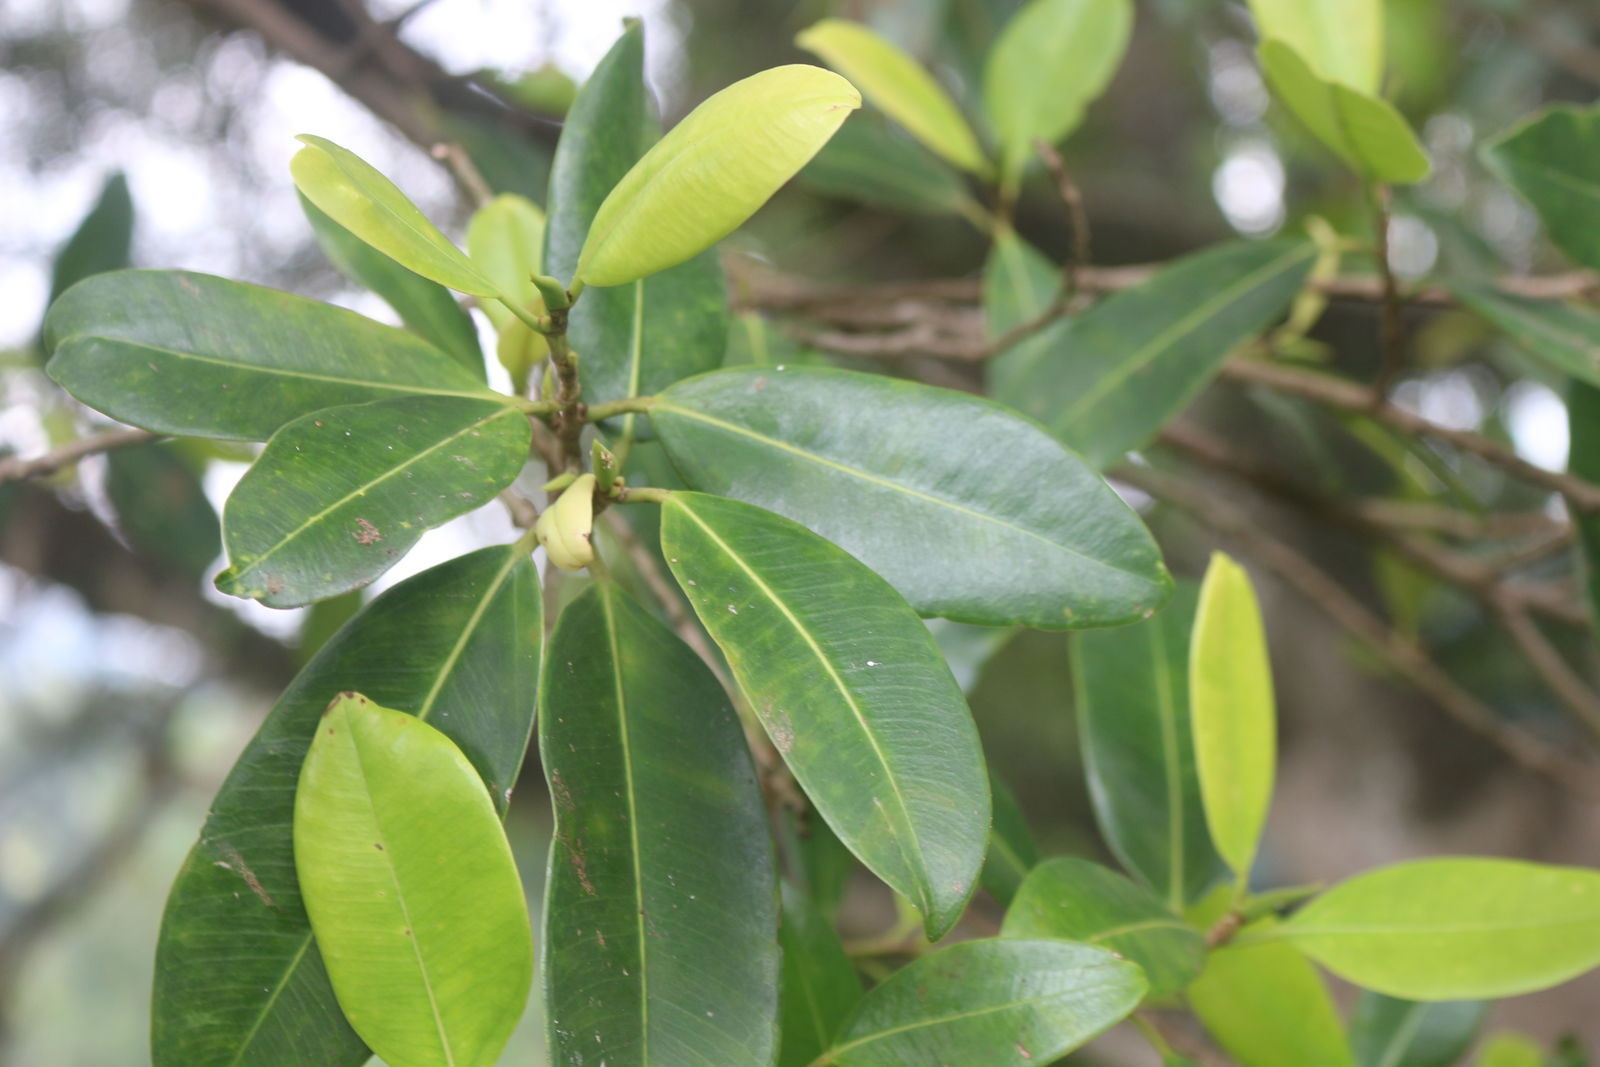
643,495
13,469
620,407
1391,325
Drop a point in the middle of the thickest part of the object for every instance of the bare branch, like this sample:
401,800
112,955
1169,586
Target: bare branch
13,469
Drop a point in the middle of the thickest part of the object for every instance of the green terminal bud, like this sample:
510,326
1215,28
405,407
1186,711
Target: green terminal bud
605,466
553,292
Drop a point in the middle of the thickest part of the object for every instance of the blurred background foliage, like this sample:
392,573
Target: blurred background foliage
157,133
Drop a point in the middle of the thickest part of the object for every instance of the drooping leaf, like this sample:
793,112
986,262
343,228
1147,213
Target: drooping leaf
411,890
897,85
1566,337
851,688
1048,64
338,496
354,194
1363,130
712,171
1267,1006
1455,928
102,240
238,979
996,1001
199,356
162,507
426,307
1119,371
869,163
1132,697
1553,160
1342,40
820,986
660,913
1019,285
1012,850
1232,712
506,240
1388,1032
968,510
1075,900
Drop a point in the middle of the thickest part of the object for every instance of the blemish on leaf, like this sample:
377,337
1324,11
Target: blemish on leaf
236,864
367,533
1023,1052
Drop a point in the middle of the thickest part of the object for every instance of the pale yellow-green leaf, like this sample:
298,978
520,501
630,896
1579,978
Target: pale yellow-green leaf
713,171
899,86
354,194
1342,40
504,239
1232,712
1510,1049
1050,62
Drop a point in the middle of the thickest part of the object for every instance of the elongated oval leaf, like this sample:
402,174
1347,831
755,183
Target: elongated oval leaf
426,307
1075,900
712,171
1126,366
1389,1032
899,86
1232,712
102,240
238,979
506,241
1455,928
199,356
412,893
1564,336
1267,1006
1048,64
851,688
1012,850
353,193
660,913
338,496
968,510
1364,130
1342,40
1553,160
999,1001
820,985
1132,695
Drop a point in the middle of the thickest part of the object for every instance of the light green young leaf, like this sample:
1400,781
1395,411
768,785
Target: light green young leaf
1232,712
1553,160
899,86
1510,1049
1048,64
1364,130
1455,928
1341,40
712,171
506,239
413,895
354,194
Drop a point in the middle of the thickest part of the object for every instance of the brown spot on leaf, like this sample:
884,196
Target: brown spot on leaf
235,863
367,533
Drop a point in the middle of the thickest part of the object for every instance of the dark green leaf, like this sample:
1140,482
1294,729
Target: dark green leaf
1565,336
1123,368
816,859
1076,900
990,1002
237,980
851,688
431,971
1387,1032
1553,160
101,241
1019,285
870,163
660,913
190,354
339,496
968,510
426,307
162,507
1012,851
820,986
1132,694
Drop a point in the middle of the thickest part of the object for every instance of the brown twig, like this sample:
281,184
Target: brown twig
13,469
466,173
1391,323
1079,258
1558,676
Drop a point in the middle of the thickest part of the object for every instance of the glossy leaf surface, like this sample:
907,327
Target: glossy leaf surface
871,164
1132,696
820,985
998,1001
338,496
1389,1032
1048,64
427,308
1122,369
1012,850
712,171
1455,928
1342,40
1075,900
194,355
969,511
1364,130
897,85
1553,161
238,980
412,893
506,241
1566,337
851,688
352,192
660,912
1232,711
